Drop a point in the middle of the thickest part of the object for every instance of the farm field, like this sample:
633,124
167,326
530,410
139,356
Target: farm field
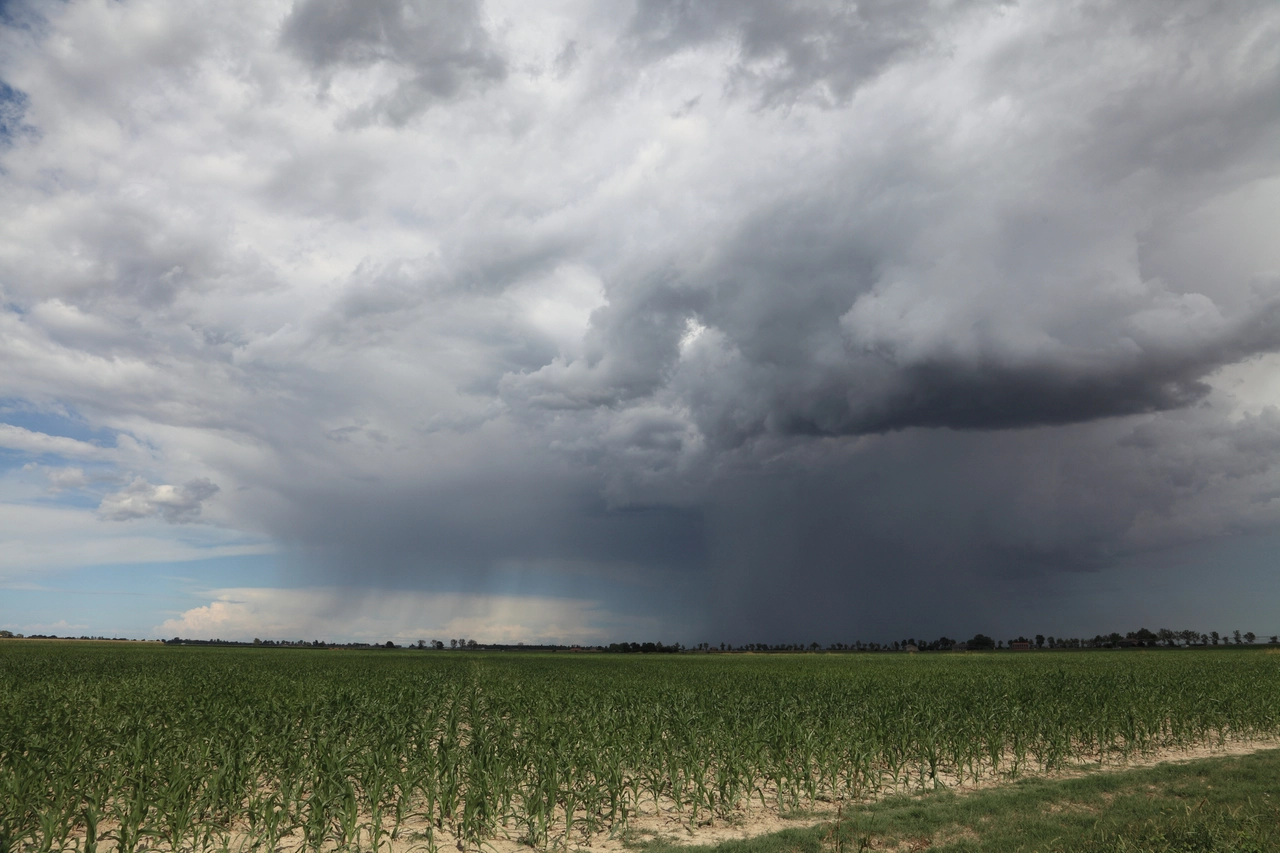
130,746
1214,805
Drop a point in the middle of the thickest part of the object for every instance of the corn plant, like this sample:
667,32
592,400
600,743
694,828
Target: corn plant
201,749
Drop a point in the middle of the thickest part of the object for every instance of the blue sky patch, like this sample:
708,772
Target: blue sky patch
67,422
13,106
123,600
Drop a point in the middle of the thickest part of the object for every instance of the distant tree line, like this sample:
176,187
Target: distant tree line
1145,638
1140,638
10,635
644,648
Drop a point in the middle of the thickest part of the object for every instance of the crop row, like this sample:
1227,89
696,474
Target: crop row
123,747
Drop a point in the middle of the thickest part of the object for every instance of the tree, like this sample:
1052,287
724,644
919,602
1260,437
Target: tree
1143,636
1213,635
1249,637
1039,641
982,641
453,644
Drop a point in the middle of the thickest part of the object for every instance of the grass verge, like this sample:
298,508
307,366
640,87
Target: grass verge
1213,805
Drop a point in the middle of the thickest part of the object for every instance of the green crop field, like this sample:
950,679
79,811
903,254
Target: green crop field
126,746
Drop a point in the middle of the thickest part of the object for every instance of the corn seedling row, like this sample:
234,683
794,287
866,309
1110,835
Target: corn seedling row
126,747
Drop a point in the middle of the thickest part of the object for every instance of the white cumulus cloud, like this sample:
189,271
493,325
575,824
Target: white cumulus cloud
175,504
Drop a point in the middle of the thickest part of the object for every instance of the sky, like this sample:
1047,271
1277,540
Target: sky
720,321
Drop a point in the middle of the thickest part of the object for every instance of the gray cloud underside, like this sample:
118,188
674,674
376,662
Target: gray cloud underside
785,52
780,298
442,49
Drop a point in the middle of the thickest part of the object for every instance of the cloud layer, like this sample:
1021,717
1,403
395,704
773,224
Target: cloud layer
788,315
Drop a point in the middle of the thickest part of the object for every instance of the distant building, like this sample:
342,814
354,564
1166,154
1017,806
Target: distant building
1020,647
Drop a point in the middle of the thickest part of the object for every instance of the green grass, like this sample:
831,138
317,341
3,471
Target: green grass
1217,805
179,747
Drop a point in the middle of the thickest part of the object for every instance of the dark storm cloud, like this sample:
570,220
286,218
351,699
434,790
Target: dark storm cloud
947,531
1165,374
839,314
464,530
443,49
1005,318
